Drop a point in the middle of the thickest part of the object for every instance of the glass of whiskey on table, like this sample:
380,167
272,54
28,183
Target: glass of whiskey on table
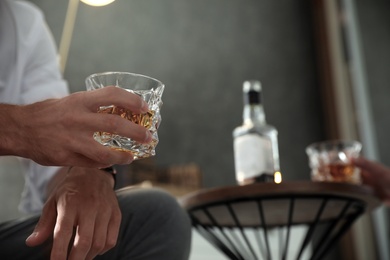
150,90
330,161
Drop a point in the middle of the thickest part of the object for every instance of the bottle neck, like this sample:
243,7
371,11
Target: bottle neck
254,114
253,109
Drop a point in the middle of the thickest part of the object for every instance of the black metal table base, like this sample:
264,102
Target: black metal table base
240,240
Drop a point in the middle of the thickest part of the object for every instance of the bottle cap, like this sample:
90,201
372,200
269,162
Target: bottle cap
252,92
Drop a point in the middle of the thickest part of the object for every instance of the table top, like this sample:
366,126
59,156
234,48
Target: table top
305,197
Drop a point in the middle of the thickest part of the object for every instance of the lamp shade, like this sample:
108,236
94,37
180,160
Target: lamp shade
97,2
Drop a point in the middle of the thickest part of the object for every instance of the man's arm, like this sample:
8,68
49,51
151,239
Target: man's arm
375,175
83,198
60,131
49,126
62,173
11,123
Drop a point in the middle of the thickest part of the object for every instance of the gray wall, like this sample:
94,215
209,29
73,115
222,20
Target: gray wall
203,50
374,21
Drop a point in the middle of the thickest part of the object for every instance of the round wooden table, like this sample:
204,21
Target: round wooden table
238,219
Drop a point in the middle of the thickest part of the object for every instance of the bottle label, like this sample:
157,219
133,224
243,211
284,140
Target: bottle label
252,156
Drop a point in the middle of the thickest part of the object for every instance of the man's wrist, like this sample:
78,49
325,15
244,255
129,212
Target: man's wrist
110,171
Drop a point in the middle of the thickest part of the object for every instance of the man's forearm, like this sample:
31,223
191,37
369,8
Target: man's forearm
11,122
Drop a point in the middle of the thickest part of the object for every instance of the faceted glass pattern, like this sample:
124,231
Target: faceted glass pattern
331,161
150,90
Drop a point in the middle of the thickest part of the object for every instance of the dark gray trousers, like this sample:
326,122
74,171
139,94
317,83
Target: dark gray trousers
154,227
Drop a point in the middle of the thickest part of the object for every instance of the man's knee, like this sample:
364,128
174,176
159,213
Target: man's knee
152,218
152,204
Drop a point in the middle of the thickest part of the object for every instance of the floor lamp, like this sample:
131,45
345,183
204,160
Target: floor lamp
67,31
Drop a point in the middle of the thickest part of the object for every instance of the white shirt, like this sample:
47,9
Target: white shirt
29,72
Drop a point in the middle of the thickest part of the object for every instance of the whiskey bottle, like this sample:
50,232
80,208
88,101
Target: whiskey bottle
256,154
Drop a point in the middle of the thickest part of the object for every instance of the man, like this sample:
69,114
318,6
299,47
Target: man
82,217
59,131
377,176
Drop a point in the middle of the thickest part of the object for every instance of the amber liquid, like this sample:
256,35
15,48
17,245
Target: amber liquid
144,120
341,172
126,144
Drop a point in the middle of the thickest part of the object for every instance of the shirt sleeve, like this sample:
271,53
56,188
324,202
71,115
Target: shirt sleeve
41,79
36,179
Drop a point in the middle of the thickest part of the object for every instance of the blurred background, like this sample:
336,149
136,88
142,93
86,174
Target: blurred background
203,51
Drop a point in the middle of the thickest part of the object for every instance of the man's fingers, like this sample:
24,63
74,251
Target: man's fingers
62,236
84,237
45,225
375,175
114,124
103,155
99,244
113,230
98,156
367,178
370,166
115,96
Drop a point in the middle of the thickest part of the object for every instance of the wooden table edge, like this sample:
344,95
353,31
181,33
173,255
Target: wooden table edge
307,188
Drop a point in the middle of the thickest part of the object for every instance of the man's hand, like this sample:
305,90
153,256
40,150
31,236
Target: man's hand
82,214
60,131
377,176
